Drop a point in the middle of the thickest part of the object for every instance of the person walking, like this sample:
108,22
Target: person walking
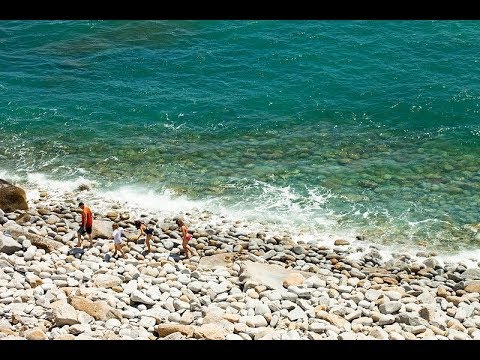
86,225
186,236
144,230
117,239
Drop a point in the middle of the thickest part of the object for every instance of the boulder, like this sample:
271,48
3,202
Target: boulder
35,334
112,215
270,275
99,309
213,261
210,332
106,281
131,235
293,279
471,274
64,313
472,286
170,328
102,229
340,242
8,245
12,197
37,240
23,218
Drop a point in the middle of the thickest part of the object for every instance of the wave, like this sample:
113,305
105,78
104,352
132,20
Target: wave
305,216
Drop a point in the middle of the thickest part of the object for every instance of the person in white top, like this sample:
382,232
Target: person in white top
117,239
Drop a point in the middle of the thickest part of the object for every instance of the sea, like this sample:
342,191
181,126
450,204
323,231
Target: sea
367,130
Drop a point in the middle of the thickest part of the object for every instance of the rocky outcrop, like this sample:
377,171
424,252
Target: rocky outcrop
270,275
37,240
12,197
102,229
210,262
237,285
99,309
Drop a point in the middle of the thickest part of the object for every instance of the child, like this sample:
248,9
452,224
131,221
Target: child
144,230
186,236
117,234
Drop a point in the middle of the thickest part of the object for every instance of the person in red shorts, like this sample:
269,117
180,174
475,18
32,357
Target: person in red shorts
86,225
186,236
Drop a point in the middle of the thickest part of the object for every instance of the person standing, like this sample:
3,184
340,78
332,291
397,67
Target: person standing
117,239
144,230
86,225
186,236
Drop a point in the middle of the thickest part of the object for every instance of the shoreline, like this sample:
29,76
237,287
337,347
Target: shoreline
335,291
142,200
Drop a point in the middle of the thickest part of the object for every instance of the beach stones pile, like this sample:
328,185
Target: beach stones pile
239,285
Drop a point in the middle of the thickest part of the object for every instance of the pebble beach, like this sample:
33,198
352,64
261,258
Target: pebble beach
239,285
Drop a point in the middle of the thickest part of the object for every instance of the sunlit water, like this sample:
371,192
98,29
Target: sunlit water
317,127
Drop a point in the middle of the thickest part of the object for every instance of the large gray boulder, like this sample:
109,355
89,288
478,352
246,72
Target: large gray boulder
64,313
213,261
37,240
471,274
8,245
102,229
270,275
12,197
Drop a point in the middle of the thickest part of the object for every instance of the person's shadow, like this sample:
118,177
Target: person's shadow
174,257
76,250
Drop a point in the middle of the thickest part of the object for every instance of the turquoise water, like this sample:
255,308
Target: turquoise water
321,126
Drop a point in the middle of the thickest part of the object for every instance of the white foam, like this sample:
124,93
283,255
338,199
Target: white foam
470,258
41,180
278,210
172,126
9,176
138,197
